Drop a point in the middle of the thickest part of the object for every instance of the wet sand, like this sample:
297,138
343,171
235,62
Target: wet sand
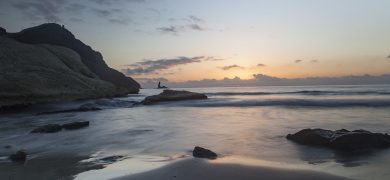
199,169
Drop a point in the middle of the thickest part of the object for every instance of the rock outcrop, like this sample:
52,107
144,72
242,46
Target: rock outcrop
75,125
341,139
19,156
172,95
200,152
46,63
53,128
50,128
54,34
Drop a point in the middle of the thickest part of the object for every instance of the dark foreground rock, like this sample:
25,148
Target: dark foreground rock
19,156
341,139
173,95
75,125
82,108
200,152
50,128
53,128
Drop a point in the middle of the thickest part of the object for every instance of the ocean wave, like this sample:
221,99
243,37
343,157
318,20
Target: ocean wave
290,102
318,93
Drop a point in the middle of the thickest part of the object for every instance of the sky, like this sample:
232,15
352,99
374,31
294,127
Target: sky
183,40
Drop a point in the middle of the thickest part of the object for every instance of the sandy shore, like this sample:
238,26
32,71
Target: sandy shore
199,169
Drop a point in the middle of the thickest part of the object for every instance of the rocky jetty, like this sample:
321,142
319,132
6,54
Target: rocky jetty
200,152
173,95
341,139
47,63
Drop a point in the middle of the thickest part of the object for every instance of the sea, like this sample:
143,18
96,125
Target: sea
247,123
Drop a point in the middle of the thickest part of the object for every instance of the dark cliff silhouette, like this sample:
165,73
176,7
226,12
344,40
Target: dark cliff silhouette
56,34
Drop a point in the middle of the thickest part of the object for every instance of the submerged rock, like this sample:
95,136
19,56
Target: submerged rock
50,128
76,125
200,152
341,139
19,156
173,95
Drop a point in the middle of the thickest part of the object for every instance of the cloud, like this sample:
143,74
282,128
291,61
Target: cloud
298,61
260,65
388,56
195,27
76,8
47,10
78,20
314,61
111,11
116,2
102,12
190,23
154,66
231,67
195,19
120,21
170,29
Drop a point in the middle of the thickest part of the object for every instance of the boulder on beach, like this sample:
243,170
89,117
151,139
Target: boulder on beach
341,139
200,152
19,156
50,128
75,125
173,95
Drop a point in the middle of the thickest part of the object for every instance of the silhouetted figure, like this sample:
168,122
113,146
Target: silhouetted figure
161,87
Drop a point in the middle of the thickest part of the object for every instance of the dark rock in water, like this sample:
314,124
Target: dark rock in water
55,34
82,108
315,137
75,125
172,95
50,128
341,139
8,147
2,31
200,152
19,156
111,159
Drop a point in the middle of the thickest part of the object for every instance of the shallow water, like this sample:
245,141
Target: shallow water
249,122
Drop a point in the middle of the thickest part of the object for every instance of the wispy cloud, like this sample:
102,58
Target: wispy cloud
170,29
157,65
36,9
234,66
260,65
190,23
314,61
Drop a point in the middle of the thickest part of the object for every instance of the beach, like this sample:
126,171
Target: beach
152,141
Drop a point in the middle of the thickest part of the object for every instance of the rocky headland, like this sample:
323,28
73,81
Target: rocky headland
47,63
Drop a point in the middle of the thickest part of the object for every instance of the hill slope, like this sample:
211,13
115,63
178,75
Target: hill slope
55,34
42,73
